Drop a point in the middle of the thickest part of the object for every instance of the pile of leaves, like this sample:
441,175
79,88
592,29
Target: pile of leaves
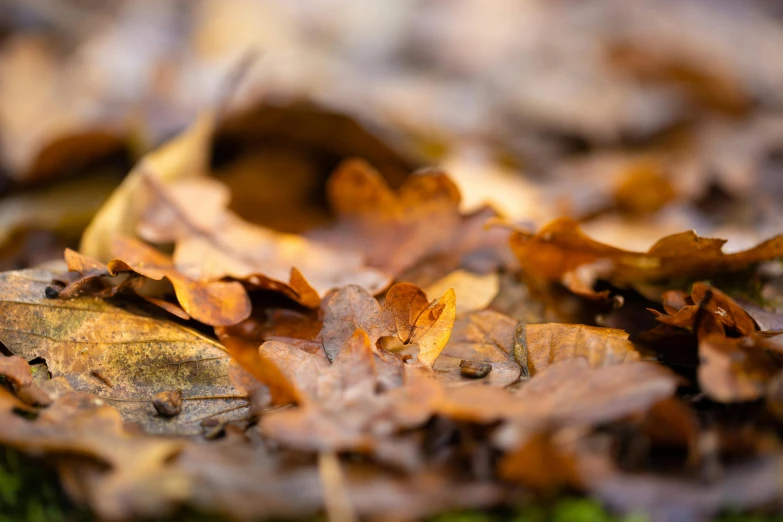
278,313
403,360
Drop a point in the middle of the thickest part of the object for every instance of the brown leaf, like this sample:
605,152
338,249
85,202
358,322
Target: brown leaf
731,369
77,425
727,311
553,342
91,342
403,304
572,394
352,308
214,303
225,246
561,252
394,229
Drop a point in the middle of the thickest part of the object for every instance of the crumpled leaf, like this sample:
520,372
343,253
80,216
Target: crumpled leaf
215,303
122,357
225,246
348,309
552,342
184,156
731,369
683,310
561,252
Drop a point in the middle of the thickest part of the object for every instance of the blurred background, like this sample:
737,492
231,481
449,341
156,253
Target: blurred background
640,119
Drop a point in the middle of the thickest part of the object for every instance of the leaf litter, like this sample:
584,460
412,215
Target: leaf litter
279,314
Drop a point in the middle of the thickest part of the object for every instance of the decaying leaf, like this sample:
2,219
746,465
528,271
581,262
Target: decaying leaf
91,342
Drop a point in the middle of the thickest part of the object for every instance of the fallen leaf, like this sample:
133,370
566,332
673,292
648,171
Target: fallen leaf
572,394
552,342
214,303
432,328
484,337
139,355
731,369
683,313
225,246
561,252
394,229
348,309
403,304
81,425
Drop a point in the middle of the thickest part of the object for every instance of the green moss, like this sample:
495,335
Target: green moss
29,492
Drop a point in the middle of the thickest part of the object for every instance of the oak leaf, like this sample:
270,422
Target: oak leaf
561,252
394,229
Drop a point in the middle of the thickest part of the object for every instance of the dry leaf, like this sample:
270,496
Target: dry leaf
683,313
731,369
485,337
549,343
122,357
403,304
394,229
432,328
346,310
225,246
561,252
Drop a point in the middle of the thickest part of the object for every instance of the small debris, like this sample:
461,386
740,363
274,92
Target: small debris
474,369
168,403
